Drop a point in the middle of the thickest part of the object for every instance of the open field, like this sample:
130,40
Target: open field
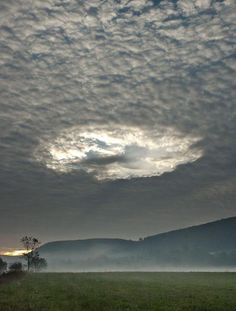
120,291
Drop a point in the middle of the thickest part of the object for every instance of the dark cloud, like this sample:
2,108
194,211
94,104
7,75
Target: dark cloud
152,65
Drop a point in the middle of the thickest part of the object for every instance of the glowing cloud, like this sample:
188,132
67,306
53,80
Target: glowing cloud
119,152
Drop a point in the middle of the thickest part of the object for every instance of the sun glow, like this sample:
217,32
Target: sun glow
16,252
119,152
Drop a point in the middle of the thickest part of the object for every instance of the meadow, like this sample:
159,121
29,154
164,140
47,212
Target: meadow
120,291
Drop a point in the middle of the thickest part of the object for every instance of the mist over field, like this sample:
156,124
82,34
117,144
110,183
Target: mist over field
199,248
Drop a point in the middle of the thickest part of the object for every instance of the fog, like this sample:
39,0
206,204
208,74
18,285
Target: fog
197,248
73,267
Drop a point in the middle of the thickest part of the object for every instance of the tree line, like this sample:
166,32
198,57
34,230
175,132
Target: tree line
34,262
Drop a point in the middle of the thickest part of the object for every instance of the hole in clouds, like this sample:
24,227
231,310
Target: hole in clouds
119,152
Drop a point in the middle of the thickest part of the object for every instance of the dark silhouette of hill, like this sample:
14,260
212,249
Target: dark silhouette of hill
212,236
208,245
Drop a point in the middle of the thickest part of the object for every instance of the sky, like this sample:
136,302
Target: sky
117,118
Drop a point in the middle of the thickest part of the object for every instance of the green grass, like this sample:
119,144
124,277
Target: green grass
120,291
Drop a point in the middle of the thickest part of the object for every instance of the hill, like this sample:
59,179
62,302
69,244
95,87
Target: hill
210,245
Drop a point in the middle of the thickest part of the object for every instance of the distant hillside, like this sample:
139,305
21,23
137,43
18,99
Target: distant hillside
213,236
208,245
91,254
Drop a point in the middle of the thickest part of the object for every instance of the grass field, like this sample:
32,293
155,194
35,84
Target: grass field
120,291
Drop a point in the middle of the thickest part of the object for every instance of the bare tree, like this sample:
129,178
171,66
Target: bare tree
31,255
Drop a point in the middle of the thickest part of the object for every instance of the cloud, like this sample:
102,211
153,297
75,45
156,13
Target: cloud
165,69
118,152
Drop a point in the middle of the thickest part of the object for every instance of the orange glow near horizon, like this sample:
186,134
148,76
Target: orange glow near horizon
16,252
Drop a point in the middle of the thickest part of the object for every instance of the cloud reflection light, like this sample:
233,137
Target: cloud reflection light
119,152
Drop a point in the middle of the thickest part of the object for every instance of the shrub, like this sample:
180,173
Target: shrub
3,266
16,267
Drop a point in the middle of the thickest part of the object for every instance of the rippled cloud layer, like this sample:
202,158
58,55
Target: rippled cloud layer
77,76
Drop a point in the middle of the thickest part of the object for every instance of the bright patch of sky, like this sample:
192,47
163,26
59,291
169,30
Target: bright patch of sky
119,152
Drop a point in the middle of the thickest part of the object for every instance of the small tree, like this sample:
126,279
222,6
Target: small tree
16,267
3,266
31,255
39,264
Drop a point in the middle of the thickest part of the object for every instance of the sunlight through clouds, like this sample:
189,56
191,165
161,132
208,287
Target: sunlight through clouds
119,152
72,72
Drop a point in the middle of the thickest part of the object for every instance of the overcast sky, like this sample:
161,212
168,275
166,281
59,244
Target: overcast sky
117,118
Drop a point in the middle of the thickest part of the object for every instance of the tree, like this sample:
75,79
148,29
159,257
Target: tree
16,267
39,264
34,262
3,266
31,245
